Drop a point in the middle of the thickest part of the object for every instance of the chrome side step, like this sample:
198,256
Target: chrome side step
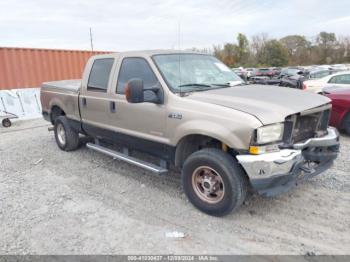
129,159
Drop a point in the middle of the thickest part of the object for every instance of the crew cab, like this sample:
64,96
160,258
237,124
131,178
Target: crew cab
190,111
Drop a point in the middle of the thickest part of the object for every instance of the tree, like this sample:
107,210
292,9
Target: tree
326,39
274,54
344,50
229,54
257,48
326,43
225,54
289,50
294,42
298,48
242,49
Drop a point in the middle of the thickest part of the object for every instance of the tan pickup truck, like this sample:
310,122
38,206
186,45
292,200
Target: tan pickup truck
190,111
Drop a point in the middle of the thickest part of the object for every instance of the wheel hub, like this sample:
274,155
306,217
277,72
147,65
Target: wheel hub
61,134
208,184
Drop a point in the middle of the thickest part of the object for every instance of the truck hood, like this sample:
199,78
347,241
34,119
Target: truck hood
270,104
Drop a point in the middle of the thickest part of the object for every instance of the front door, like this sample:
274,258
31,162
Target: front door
143,124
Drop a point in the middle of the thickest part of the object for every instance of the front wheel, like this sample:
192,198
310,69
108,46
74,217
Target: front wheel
214,182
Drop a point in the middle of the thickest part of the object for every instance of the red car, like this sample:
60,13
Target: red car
340,116
265,72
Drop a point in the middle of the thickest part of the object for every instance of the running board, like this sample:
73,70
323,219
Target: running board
129,159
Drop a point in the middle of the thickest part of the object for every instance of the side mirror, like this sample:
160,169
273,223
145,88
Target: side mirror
136,93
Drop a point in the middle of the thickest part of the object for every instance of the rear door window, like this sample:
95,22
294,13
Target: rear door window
344,79
334,80
99,75
135,67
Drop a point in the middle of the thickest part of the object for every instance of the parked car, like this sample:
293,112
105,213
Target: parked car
251,72
316,74
324,67
241,72
340,79
223,136
264,72
288,72
276,71
340,116
291,81
339,67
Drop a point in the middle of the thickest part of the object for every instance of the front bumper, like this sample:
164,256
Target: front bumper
275,173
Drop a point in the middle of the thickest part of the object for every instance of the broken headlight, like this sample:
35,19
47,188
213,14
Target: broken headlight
269,133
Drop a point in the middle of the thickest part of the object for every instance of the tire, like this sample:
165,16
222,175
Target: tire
66,138
346,124
219,166
6,122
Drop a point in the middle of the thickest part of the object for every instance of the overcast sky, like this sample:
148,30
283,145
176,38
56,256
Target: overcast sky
150,24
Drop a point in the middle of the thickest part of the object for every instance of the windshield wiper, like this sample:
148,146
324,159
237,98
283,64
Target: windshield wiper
237,83
202,87
194,84
223,85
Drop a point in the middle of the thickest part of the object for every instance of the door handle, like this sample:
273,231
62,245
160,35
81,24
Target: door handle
84,101
112,106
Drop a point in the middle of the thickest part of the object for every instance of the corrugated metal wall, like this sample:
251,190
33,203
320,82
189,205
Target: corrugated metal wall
28,67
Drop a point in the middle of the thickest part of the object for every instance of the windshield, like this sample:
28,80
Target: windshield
194,72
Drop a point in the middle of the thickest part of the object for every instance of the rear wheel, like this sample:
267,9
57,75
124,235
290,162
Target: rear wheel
214,182
6,122
67,139
346,123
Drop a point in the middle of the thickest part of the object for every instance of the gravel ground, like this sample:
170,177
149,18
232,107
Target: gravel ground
82,202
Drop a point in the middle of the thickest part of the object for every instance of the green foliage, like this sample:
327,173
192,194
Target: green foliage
298,48
289,50
326,39
274,54
242,49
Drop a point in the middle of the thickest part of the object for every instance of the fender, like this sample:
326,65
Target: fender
207,128
69,107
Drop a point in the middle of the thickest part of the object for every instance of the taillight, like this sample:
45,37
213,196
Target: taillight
304,86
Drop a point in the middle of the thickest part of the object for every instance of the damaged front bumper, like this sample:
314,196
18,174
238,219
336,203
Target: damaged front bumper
271,174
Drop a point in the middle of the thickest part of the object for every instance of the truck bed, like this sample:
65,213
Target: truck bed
72,85
63,94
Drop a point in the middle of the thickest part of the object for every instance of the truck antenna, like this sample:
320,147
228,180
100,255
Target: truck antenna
179,34
91,41
179,46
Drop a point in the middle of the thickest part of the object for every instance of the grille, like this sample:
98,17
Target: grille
312,125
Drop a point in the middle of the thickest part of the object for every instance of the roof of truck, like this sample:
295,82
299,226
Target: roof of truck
151,52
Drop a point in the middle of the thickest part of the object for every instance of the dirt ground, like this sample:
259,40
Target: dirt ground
83,202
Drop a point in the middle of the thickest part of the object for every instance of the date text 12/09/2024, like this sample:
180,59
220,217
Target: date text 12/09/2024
172,258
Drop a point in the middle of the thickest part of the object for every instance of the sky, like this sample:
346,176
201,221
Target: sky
162,24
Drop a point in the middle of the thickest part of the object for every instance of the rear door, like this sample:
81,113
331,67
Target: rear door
94,99
342,80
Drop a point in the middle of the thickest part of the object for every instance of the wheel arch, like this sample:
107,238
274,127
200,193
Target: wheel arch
191,143
55,112
345,117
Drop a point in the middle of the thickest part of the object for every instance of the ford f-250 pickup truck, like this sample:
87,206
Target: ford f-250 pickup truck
192,112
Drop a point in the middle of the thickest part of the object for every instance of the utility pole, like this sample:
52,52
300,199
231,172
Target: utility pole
91,42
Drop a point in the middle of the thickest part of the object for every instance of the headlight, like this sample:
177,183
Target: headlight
270,133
